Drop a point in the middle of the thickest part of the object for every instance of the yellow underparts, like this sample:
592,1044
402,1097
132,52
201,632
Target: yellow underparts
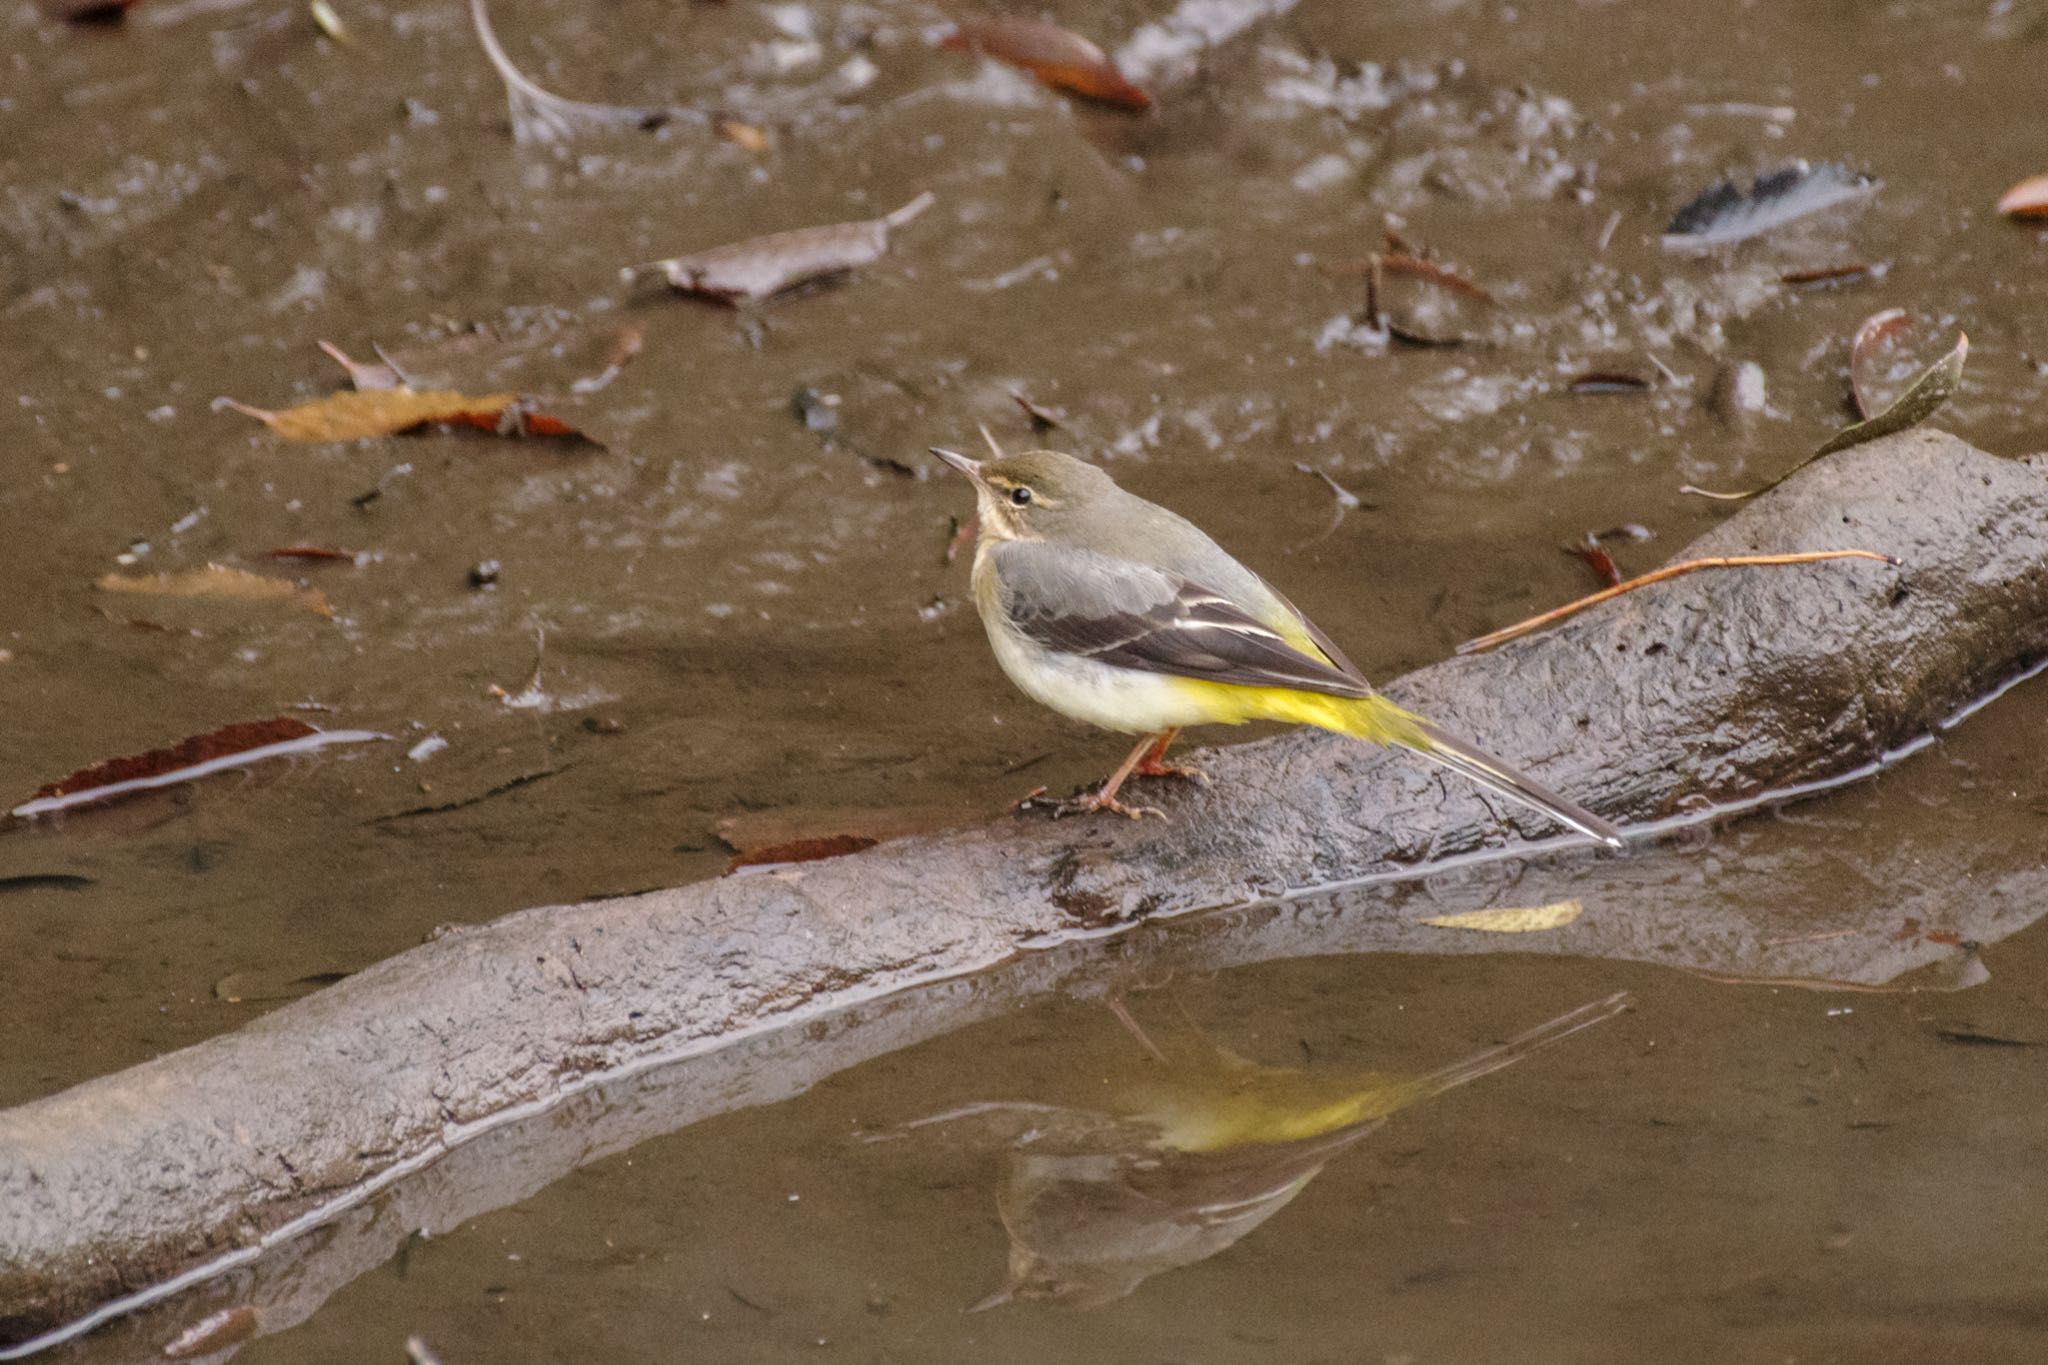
1374,719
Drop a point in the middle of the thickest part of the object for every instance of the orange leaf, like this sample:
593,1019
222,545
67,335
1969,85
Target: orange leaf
220,583
1055,56
2028,199
351,415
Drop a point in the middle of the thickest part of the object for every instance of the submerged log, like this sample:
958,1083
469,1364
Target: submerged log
1712,689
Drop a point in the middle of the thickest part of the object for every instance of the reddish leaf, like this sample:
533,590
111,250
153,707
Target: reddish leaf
802,851
1424,303
232,746
2028,199
354,414
760,268
800,834
1597,559
1058,58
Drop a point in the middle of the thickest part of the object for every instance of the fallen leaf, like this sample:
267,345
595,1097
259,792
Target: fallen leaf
1424,303
353,414
1871,336
1831,275
543,117
318,554
362,374
2028,199
796,834
1597,559
1727,213
1555,614
802,851
215,1332
218,582
1524,920
1929,391
744,272
1053,55
1609,381
231,746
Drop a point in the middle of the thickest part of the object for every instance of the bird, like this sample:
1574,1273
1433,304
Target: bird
1115,611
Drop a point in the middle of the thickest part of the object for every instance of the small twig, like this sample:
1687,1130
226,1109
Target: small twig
1117,1007
1346,501
1535,623
1810,938
1607,233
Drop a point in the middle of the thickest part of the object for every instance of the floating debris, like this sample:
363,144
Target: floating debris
1727,213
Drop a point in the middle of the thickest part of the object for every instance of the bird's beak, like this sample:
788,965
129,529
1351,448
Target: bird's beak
971,468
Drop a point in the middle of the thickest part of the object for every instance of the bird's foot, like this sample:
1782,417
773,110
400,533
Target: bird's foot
1085,804
1154,768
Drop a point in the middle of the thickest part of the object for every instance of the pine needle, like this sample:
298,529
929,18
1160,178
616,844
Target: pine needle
1536,623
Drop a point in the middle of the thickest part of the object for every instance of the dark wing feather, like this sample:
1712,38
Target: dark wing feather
1147,619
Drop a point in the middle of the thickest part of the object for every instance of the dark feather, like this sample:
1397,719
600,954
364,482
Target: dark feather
1193,634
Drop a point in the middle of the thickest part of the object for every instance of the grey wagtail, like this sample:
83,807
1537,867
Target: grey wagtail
1112,610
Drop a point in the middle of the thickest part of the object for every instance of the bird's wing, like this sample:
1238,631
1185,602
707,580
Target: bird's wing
1133,615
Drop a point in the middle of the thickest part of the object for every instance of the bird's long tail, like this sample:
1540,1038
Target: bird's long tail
1376,719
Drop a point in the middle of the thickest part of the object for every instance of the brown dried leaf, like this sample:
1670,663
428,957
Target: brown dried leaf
231,746
353,414
1055,56
745,272
218,582
2028,199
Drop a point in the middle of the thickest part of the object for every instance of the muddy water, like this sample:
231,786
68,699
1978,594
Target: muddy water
731,614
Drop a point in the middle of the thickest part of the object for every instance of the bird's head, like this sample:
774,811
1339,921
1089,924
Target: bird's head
1037,495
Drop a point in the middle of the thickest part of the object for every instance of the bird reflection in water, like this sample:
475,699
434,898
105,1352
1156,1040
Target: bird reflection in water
1196,1150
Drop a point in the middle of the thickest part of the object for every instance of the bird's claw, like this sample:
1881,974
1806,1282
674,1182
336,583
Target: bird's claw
1086,804
1182,770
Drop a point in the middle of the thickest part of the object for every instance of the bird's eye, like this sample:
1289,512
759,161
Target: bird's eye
1020,496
